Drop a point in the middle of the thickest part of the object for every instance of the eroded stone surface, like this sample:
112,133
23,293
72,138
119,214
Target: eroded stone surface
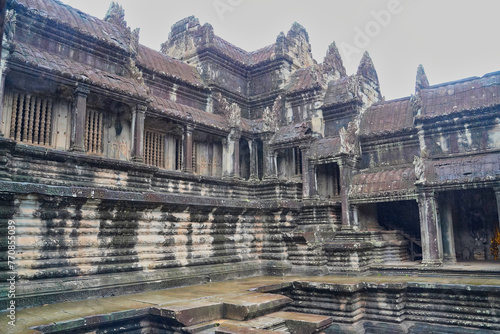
192,312
301,323
253,305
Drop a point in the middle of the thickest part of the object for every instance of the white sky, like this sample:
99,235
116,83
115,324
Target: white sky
453,39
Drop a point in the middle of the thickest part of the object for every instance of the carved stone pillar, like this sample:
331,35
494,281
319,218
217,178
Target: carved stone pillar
346,168
78,118
446,219
188,149
225,157
252,144
5,70
274,163
139,116
430,229
306,177
234,137
313,181
268,156
354,215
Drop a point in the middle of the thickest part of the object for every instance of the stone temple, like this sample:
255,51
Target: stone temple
127,171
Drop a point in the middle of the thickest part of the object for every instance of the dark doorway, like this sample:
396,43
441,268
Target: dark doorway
328,180
475,217
244,159
404,217
260,159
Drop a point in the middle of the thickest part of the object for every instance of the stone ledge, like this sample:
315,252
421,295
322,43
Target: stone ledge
149,197
40,292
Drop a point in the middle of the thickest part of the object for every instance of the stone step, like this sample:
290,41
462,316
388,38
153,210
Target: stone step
204,327
191,313
208,331
302,323
267,323
241,329
253,305
260,323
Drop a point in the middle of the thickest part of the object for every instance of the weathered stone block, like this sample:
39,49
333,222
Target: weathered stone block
193,312
301,323
253,305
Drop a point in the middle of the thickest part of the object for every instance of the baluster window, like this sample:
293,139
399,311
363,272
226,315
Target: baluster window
31,119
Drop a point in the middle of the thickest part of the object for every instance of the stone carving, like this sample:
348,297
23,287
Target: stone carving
422,81
349,143
222,105
270,122
119,149
234,116
280,44
353,86
279,110
136,73
231,111
10,25
416,104
134,40
316,74
116,15
419,165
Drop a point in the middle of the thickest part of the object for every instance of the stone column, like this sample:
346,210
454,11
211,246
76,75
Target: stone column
225,157
313,181
188,149
446,212
497,194
346,168
306,177
235,136
354,215
268,155
430,229
139,116
254,157
5,70
274,163
78,118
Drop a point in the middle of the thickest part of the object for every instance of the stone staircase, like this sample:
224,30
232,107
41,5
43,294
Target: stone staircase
240,314
414,242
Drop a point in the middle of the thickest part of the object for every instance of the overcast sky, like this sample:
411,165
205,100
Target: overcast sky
453,39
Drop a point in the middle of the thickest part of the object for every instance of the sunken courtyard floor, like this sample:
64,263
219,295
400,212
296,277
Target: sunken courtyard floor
373,303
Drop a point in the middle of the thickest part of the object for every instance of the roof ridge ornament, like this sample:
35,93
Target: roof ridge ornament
421,81
134,40
116,15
